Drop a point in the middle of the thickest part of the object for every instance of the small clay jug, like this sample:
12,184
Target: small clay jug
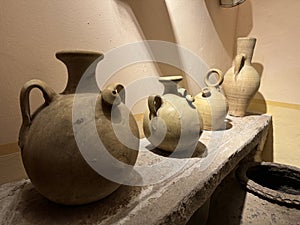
50,152
211,103
241,81
171,121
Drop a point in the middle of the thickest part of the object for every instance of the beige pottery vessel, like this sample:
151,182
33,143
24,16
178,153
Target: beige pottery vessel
241,81
211,103
50,152
171,122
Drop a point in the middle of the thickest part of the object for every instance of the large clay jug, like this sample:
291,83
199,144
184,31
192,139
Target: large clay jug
171,121
50,153
241,81
211,103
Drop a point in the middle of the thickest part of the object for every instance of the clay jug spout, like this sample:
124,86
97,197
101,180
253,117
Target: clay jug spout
114,94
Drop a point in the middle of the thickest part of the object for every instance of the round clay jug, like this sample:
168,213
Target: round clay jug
171,122
211,103
50,153
241,81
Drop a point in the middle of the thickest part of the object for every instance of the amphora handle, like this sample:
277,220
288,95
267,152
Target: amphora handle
238,63
154,103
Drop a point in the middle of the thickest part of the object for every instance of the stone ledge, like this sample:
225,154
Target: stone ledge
171,201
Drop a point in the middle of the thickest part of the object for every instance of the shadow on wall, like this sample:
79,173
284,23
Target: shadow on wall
154,23
259,68
242,28
245,19
258,103
152,18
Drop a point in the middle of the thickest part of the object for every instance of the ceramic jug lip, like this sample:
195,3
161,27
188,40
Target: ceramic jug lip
77,52
246,38
171,78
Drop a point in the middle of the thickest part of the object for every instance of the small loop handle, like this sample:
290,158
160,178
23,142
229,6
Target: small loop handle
48,93
219,81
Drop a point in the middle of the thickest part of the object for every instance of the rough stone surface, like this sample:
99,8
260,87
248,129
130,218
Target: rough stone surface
170,201
274,182
231,204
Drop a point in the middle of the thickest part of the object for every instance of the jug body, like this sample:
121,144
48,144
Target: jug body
171,122
51,153
212,104
241,81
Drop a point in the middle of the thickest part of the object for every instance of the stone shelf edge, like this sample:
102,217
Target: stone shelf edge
172,201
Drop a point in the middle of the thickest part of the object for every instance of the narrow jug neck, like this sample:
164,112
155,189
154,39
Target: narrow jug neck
77,62
170,84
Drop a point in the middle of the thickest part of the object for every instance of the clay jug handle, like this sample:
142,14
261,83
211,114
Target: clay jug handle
219,81
154,103
114,94
48,93
238,63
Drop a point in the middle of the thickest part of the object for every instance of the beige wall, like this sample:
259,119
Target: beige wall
32,31
275,24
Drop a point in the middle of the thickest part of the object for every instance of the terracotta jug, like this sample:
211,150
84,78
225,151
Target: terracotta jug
171,121
50,153
211,103
241,81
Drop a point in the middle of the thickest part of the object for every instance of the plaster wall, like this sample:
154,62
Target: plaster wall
32,31
275,24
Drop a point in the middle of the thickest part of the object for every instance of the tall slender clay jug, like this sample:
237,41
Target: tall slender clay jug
50,152
171,121
241,81
211,103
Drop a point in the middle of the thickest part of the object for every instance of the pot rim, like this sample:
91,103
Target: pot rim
77,53
278,197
